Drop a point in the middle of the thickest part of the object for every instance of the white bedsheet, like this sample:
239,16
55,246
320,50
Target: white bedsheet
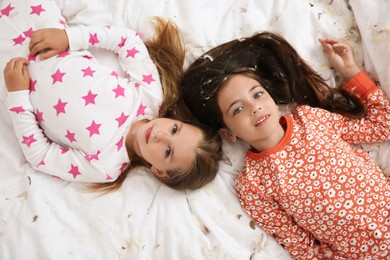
45,218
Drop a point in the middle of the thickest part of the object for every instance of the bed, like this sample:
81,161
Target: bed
42,217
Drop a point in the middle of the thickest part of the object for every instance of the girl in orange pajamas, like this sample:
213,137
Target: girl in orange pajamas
304,182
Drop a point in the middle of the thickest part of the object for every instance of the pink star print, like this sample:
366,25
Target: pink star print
123,167
132,52
114,74
63,23
5,11
64,150
123,41
39,116
41,163
93,128
89,98
74,170
32,85
17,109
108,177
141,110
121,119
148,79
29,32
63,54
88,57
57,76
19,40
28,140
119,144
93,156
70,136
93,39
60,107
31,58
37,10
119,91
88,72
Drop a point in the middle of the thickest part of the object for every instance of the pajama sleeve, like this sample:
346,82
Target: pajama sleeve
132,53
65,163
374,126
274,220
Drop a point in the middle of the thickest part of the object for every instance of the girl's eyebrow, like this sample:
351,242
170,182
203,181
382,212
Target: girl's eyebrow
179,126
234,102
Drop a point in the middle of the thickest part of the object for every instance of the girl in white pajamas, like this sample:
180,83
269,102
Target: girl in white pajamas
75,119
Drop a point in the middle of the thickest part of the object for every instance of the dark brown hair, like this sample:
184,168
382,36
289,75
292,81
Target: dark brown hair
274,63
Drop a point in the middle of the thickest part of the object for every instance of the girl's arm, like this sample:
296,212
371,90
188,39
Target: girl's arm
43,154
375,126
275,221
127,44
132,53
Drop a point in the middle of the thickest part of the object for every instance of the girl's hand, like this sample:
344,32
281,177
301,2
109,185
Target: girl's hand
16,75
48,42
341,57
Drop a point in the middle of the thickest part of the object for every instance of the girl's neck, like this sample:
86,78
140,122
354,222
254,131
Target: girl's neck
131,141
272,140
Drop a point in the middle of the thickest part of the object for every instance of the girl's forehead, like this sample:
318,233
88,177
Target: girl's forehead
241,83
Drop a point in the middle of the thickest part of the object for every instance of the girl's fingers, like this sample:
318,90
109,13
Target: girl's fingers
328,48
38,47
48,54
15,63
34,40
19,64
11,64
25,71
328,40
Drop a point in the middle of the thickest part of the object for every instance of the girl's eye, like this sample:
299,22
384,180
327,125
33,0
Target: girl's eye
167,151
174,129
237,111
258,94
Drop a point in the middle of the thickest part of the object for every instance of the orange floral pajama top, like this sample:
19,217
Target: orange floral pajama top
316,194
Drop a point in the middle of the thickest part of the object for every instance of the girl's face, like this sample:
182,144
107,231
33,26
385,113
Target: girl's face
167,144
249,113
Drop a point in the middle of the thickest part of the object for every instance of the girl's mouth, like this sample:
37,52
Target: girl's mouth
262,120
148,133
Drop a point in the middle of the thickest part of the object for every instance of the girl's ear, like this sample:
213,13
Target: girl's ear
159,173
224,132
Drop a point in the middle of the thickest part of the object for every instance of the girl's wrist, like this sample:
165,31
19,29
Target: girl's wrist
350,73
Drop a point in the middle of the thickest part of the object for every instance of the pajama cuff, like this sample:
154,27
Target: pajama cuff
361,85
77,39
20,99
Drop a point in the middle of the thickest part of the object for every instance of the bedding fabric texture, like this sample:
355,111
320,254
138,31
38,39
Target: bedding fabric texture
42,217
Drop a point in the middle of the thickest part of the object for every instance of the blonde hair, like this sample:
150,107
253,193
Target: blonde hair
167,50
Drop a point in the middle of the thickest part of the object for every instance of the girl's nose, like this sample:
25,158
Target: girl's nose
158,136
256,109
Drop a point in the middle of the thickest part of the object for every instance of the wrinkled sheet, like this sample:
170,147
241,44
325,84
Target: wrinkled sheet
45,218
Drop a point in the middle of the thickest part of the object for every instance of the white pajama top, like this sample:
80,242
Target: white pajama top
73,121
